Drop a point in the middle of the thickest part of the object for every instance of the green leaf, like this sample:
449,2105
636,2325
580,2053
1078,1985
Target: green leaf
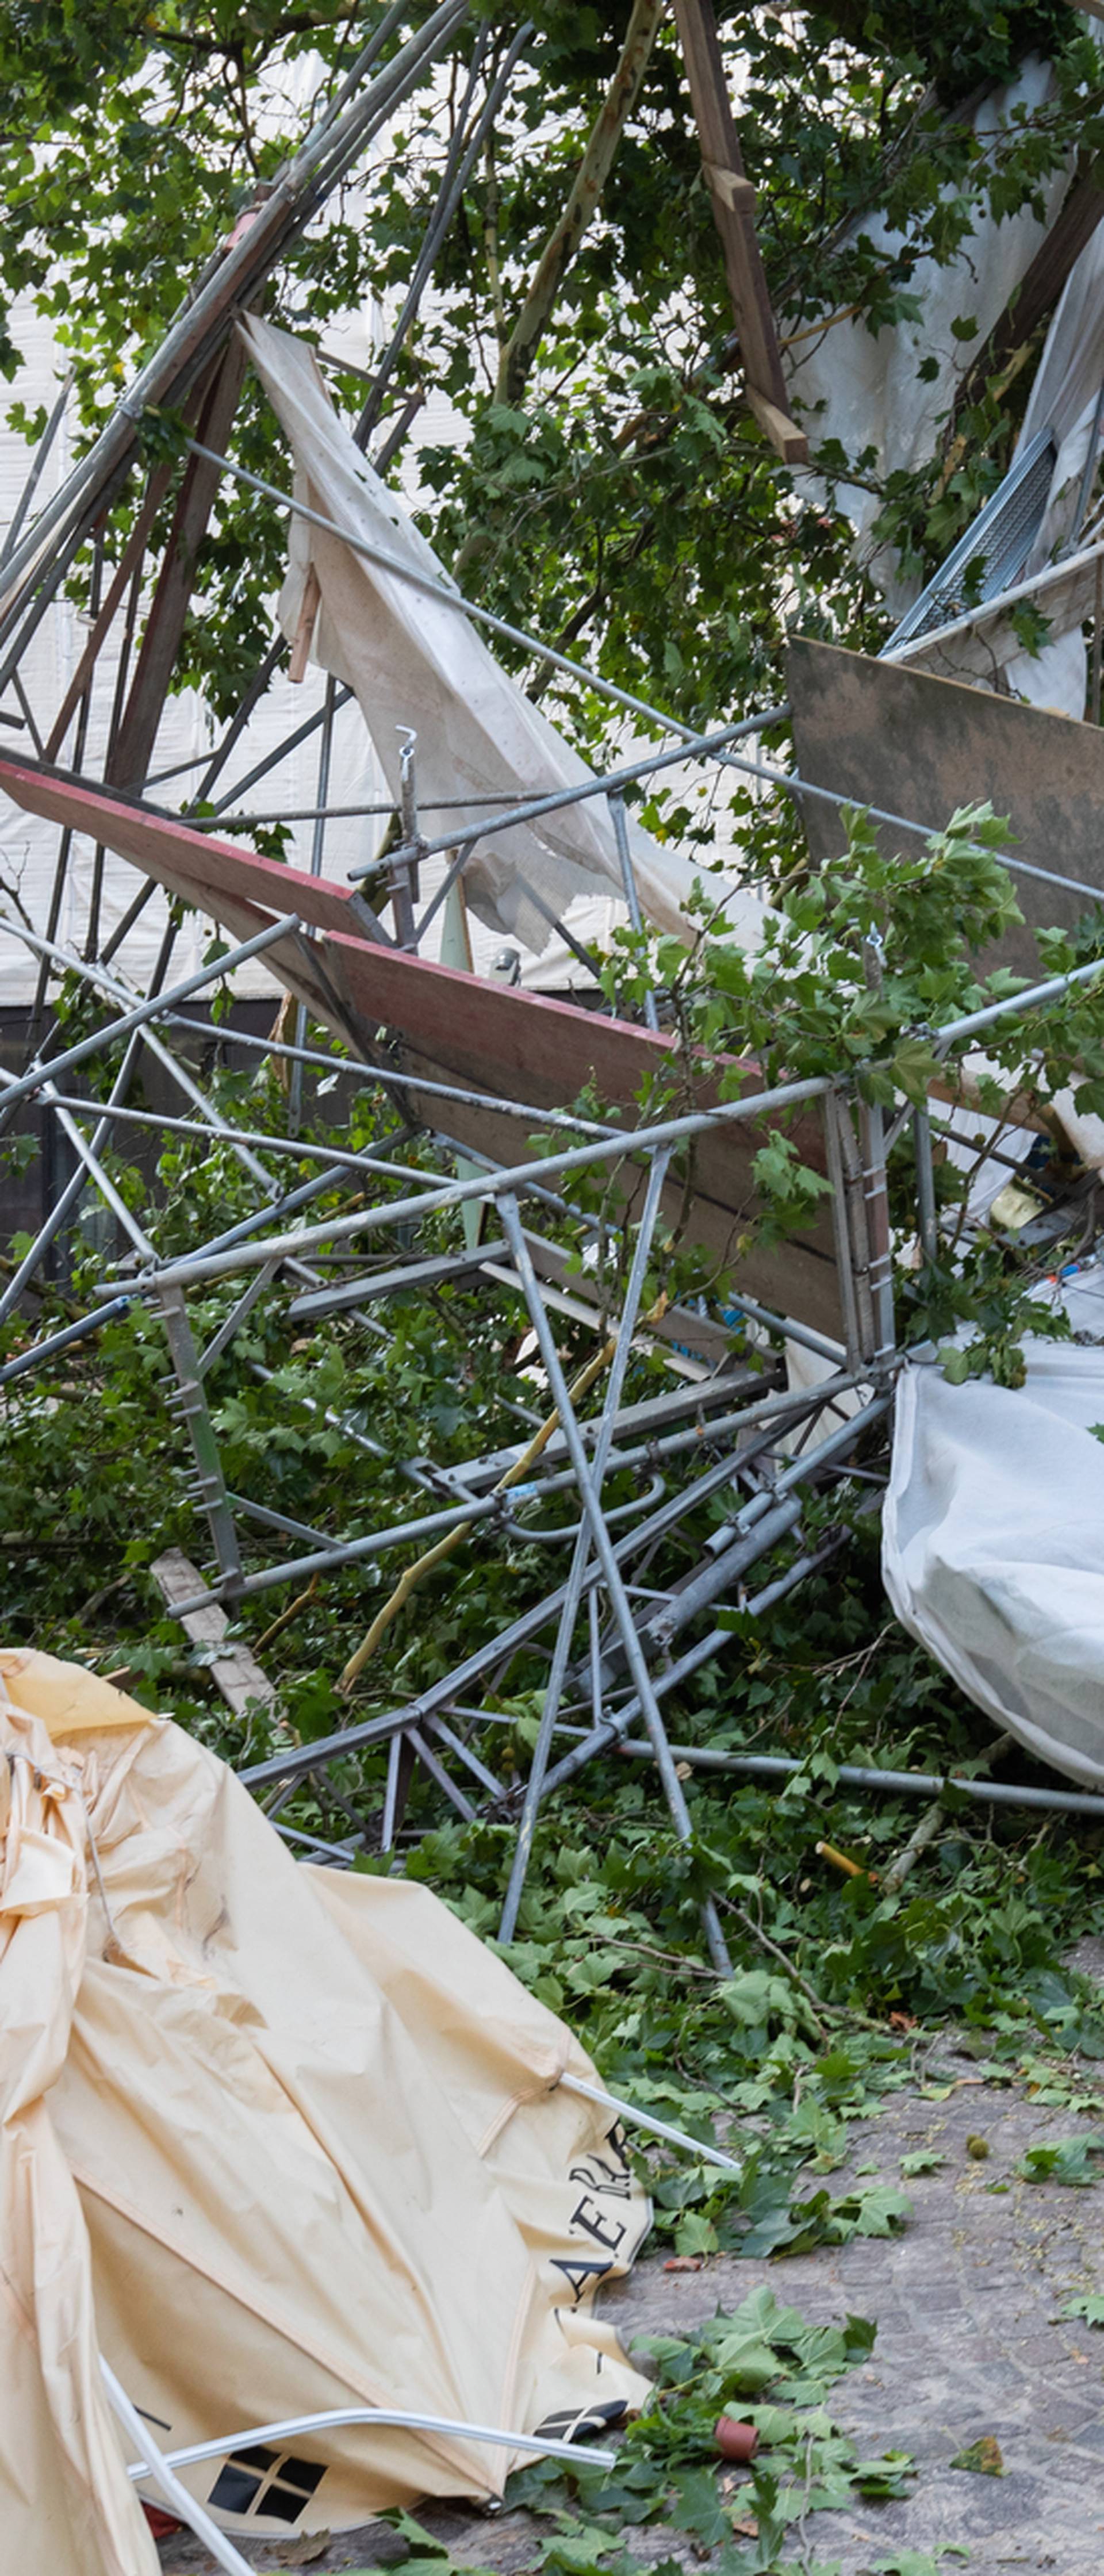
983,2457
578,2549
874,2213
698,2506
415,2534
1089,2307
915,1066
918,2562
1063,2160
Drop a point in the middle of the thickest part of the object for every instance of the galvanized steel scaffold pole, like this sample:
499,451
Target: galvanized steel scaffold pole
625,1143
631,1624
585,1540
293,1761
233,272
47,1068
757,1542
65,1205
449,597
603,1549
780,1412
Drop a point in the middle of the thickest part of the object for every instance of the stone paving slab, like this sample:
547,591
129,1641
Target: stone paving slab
969,2343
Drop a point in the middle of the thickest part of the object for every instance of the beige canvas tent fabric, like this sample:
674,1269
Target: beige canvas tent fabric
275,2140
413,662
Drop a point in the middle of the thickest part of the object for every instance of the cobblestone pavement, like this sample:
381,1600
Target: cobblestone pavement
969,2343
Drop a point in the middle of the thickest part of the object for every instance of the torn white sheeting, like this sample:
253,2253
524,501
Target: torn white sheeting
413,661
864,389
1063,398
1064,395
978,646
991,1539
29,845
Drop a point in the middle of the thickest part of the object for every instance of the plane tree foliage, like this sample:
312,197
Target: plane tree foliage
623,500
605,484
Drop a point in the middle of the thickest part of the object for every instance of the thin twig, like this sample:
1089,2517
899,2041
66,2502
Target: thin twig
286,1616
925,1832
669,1958
794,1974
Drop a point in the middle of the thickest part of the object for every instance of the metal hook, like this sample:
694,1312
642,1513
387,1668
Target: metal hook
408,799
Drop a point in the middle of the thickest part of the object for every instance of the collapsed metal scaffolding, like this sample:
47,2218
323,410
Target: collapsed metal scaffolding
614,1638
624,1667
653,1510
651,1580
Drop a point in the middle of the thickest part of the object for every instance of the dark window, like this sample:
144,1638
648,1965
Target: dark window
234,2489
244,2485
304,2474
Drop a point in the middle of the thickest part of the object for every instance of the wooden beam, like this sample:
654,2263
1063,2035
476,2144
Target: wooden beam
733,199
304,632
159,484
237,1672
731,187
1042,283
450,1026
128,562
912,743
130,756
791,443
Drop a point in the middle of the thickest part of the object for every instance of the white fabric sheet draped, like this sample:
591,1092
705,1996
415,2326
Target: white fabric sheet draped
277,2141
414,662
991,1538
864,390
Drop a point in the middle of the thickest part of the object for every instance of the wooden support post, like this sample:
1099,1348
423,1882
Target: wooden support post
304,632
1039,289
129,559
129,562
734,212
130,757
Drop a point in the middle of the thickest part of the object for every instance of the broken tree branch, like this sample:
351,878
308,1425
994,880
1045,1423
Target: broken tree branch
520,352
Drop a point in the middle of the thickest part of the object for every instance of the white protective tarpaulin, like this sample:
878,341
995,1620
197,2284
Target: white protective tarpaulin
186,734
991,1551
1063,399
864,388
276,2140
865,391
415,662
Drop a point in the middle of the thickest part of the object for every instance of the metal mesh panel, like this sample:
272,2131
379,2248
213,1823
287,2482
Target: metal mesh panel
999,541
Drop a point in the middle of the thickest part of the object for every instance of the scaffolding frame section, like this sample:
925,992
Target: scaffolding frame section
615,1636
648,1593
